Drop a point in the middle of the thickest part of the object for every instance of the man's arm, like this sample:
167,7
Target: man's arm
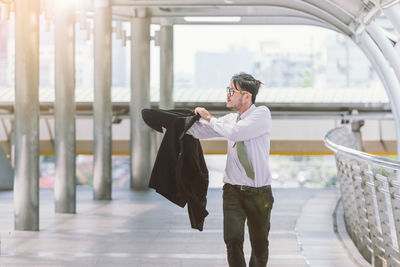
254,125
202,130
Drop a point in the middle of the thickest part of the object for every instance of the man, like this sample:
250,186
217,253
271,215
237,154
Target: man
247,189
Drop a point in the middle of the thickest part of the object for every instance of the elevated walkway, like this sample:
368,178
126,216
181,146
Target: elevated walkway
144,229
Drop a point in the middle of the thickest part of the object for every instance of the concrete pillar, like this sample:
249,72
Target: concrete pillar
26,179
166,64
102,101
140,99
11,142
356,129
6,162
64,108
7,172
166,43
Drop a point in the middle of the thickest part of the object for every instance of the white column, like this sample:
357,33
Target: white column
26,179
166,64
102,110
140,99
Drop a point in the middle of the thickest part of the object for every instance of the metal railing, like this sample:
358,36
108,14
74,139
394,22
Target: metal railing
370,191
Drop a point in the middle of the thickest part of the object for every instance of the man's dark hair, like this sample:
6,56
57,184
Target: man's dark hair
247,83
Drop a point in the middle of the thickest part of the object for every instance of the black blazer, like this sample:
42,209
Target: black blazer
179,173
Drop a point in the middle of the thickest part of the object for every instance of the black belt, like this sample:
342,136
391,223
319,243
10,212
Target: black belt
250,188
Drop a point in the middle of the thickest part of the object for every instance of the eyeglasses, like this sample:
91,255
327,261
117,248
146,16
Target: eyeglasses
232,91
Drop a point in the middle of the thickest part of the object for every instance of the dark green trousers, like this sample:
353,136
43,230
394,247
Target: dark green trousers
252,204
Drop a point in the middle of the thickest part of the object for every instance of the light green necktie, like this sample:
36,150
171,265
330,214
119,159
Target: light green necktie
244,160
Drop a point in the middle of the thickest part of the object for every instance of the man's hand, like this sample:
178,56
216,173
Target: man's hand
203,113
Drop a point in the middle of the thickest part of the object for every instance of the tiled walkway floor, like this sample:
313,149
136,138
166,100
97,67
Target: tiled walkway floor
144,229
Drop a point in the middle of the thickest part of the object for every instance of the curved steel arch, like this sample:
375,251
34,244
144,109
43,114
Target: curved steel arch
290,16
387,76
301,6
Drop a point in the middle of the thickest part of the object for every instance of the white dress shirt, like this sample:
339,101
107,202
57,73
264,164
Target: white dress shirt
254,128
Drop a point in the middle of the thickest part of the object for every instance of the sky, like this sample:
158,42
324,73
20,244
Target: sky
215,38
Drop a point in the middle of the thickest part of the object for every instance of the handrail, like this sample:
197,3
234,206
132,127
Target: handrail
377,160
369,187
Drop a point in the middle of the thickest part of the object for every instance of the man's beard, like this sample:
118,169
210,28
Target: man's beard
238,106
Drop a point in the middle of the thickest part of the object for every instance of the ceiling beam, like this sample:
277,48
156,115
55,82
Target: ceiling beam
332,15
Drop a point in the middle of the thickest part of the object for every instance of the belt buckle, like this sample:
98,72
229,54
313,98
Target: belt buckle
242,188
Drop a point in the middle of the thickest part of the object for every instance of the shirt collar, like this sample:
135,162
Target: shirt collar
247,112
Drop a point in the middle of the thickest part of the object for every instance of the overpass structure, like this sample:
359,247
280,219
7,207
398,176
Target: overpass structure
301,118
353,18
